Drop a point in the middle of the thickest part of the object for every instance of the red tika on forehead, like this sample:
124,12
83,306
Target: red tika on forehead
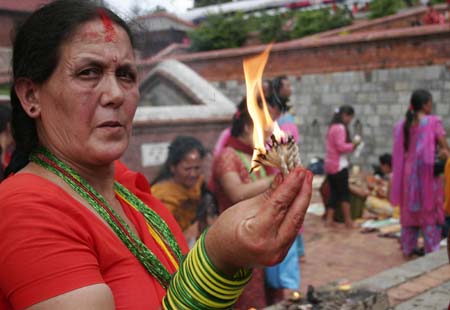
108,25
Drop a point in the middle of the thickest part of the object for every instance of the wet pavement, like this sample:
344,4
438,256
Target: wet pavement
370,261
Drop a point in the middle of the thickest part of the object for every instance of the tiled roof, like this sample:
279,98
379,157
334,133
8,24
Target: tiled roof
22,5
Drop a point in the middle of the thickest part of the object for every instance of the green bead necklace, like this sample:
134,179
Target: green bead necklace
47,160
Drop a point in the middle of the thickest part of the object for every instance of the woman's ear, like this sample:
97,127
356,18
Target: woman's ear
28,93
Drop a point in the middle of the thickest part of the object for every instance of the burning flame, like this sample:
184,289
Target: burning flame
263,125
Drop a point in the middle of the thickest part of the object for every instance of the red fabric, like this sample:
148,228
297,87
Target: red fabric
432,17
240,146
227,161
51,244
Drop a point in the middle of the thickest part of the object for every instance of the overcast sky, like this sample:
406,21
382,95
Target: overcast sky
173,6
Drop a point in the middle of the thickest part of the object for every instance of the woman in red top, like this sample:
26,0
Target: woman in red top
233,183
79,230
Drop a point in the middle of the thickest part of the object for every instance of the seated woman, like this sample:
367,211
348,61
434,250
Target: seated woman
180,186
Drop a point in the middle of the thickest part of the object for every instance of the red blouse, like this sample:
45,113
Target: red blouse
51,244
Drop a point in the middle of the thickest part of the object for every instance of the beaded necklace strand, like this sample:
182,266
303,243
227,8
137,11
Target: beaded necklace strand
158,228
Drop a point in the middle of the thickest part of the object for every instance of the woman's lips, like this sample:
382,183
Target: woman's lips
110,124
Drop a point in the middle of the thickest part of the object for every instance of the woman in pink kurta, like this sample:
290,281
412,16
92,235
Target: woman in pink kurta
339,144
415,188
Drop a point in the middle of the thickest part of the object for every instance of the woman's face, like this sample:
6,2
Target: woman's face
274,112
347,118
188,170
87,105
427,108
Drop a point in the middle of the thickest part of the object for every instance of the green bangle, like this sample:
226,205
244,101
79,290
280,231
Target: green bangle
199,285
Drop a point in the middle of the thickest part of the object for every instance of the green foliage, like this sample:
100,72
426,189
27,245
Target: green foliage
271,27
380,8
4,90
310,22
218,32
200,3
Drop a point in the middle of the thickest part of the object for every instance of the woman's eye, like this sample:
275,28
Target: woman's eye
89,73
127,75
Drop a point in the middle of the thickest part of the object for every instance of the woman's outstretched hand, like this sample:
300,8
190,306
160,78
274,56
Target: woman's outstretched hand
259,231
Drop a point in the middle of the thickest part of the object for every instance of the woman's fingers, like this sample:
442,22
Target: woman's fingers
296,212
280,198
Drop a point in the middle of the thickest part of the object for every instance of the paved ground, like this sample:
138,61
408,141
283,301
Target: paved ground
371,261
339,253
423,283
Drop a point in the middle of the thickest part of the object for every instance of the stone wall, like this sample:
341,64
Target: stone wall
380,98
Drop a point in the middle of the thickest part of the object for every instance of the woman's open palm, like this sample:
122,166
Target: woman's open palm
259,231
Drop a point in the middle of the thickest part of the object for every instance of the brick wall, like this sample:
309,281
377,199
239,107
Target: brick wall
394,48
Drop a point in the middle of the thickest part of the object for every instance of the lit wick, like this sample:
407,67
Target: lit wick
284,155
280,152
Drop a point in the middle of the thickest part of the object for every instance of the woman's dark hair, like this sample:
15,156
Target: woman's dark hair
337,118
419,98
36,54
178,149
5,116
275,99
385,159
240,118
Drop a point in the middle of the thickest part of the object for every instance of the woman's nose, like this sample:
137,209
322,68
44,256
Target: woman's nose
113,93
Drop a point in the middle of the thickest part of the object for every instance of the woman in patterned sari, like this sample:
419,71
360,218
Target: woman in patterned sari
415,188
233,183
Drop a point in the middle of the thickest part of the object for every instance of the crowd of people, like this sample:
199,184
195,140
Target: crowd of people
84,231
406,179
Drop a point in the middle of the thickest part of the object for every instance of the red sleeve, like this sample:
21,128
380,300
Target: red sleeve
138,184
40,258
227,161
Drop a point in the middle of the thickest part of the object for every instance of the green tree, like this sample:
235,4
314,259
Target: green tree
273,27
311,22
218,32
380,8
200,3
